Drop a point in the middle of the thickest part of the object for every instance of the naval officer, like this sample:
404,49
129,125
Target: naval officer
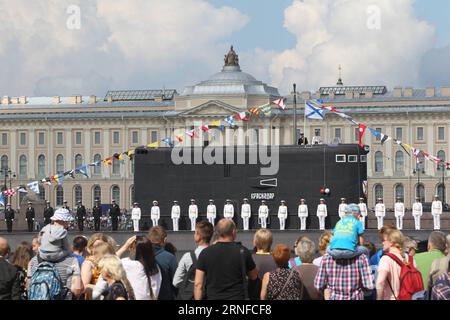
263,214
303,213
228,210
193,214
282,214
155,213
322,213
211,212
399,212
246,213
175,215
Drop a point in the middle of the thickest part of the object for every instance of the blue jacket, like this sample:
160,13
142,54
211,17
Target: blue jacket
168,265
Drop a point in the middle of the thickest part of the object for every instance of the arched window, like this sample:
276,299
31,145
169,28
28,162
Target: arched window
422,164
77,194
4,164
59,191
116,167
440,191
378,161
22,199
399,162
400,192
78,161
132,165
22,167
97,169
378,192
59,164
41,192
441,155
96,194
420,192
115,194
41,166
132,197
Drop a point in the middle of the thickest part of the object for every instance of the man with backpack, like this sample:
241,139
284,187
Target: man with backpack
185,274
54,274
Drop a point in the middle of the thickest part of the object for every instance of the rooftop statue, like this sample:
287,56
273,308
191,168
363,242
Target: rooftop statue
231,58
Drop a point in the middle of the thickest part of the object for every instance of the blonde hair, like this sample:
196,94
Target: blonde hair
324,241
263,239
112,266
396,238
102,249
101,237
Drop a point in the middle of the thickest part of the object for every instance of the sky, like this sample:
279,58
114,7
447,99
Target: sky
66,47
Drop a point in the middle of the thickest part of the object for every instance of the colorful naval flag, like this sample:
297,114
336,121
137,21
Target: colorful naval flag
280,103
153,145
204,128
385,138
84,171
216,123
361,130
375,132
230,120
241,116
314,111
192,134
255,111
22,189
168,142
58,179
10,192
47,181
70,173
266,109
34,186
2,199
179,137
108,161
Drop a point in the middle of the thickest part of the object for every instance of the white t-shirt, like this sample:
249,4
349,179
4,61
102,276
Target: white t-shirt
139,281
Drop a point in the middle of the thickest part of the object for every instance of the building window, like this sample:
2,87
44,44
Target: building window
97,137
419,134
356,134
78,194
22,167
23,138
132,165
4,139
399,162
441,155
59,196
399,192
337,134
378,161
378,192
4,164
116,137
317,132
41,192
441,133
116,167
96,194
154,136
78,161
59,164
41,166
97,169
41,138
399,133
134,137
440,191
22,196
420,192
132,197
378,137
59,138
421,165
78,137
115,194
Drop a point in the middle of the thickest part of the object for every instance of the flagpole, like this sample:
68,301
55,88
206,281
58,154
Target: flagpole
295,115
304,126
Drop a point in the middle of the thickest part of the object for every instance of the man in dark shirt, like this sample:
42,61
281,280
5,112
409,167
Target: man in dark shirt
166,262
48,213
302,140
220,267
97,213
9,217
114,213
9,279
81,215
30,215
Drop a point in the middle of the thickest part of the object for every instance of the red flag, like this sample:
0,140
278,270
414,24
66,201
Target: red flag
204,128
361,130
241,116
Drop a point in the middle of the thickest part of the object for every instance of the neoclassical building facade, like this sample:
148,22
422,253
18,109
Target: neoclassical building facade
42,136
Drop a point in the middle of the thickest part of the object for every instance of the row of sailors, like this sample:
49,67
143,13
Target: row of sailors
263,213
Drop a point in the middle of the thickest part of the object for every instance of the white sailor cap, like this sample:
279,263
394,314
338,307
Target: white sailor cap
155,202
245,199
322,199
211,200
192,200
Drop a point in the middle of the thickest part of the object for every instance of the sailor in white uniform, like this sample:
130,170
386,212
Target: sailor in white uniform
282,214
211,212
399,212
322,213
193,214
155,213
363,208
380,213
246,213
175,215
436,212
263,214
228,210
417,212
342,207
136,216
303,213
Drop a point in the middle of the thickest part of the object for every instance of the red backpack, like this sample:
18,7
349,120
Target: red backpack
410,278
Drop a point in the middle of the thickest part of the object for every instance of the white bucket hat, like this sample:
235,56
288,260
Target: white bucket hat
62,214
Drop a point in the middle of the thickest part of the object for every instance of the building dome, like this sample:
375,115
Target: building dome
231,80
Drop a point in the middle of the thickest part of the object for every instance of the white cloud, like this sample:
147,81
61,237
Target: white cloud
121,44
333,32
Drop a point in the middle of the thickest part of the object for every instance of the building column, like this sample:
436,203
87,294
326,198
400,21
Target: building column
69,153
13,151
88,158
106,170
31,174
388,152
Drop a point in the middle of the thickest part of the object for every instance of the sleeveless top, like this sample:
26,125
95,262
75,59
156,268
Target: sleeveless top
277,279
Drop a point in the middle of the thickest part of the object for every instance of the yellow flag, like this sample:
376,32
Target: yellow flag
131,152
121,156
216,123
407,146
153,145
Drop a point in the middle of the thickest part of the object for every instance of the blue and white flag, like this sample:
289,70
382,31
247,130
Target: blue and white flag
34,186
2,199
313,110
230,120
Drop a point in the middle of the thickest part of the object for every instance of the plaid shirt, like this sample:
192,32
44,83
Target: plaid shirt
345,278
441,289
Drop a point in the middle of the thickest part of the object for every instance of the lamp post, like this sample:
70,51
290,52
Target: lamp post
443,167
295,114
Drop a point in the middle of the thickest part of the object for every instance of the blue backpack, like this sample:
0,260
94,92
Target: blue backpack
46,283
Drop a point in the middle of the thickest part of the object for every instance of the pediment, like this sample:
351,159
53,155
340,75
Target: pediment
214,108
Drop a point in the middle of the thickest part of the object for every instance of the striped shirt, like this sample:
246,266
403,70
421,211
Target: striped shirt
441,289
345,278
